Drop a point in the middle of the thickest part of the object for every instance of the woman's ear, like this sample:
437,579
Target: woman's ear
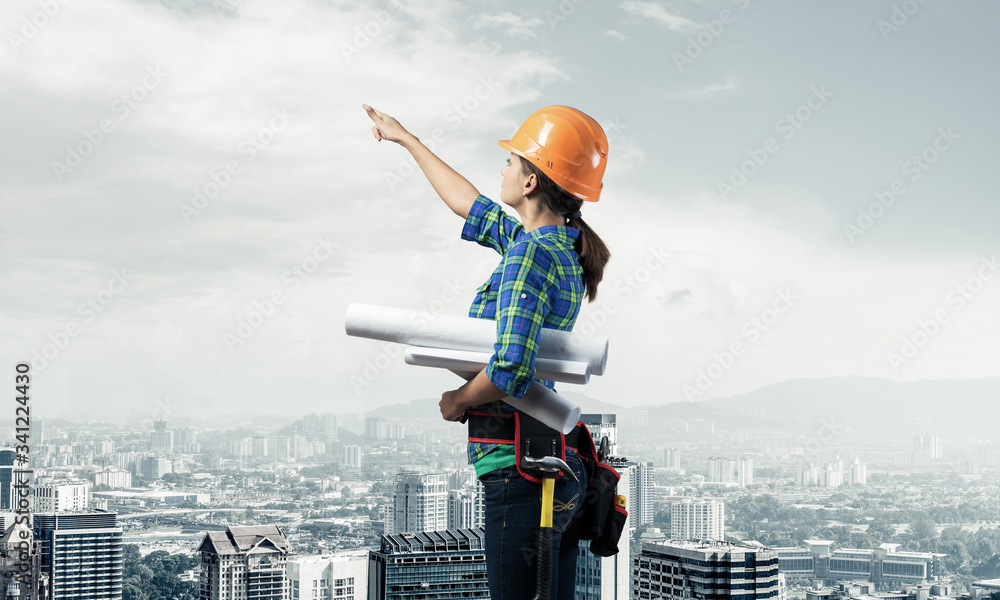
530,185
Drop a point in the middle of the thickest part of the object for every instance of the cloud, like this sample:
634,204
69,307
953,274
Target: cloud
615,35
652,11
270,191
514,25
714,88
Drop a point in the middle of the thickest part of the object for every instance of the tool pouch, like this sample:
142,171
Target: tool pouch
604,514
537,440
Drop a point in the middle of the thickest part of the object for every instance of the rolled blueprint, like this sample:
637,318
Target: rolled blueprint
543,404
463,360
427,330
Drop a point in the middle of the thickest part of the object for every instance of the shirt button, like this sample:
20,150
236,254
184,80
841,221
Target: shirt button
524,295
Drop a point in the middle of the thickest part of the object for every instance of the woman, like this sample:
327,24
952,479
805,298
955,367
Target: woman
551,260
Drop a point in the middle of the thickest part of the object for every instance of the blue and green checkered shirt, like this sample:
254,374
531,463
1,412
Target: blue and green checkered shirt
539,283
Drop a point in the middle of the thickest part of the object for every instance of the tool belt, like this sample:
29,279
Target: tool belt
604,515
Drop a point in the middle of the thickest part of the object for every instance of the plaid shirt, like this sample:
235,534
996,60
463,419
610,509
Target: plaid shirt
539,283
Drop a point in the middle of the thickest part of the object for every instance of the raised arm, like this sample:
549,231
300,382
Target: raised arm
455,190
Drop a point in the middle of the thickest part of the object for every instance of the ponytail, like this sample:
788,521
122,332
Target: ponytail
591,251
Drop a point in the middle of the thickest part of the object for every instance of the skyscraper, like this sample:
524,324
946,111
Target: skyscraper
61,495
420,502
443,565
678,570
721,470
672,458
465,506
243,563
7,500
161,441
607,577
65,538
21,576
859,473
352,456
745,472
640,500
698,519
931,444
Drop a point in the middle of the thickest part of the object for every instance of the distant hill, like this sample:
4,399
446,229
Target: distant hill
966,406
969,406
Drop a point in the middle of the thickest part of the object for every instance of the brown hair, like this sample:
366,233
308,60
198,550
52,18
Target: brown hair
590,249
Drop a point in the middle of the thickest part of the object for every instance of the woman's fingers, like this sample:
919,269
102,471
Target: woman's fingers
376,133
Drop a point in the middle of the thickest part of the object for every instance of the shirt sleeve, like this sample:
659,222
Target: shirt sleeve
523,304
488,225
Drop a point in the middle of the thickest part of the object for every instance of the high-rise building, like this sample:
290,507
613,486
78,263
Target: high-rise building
745,476
155,467
465,506
443,565
352,456
7,499
640,498
678,570
279,448
608,577
859,473
65,538
186,440
698,519
61,495
721,470
21,576
672,458
420,502
931,444
161,441
112,477
244,563
339,576
600,426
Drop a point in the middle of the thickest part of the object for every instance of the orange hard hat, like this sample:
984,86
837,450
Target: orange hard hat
567,145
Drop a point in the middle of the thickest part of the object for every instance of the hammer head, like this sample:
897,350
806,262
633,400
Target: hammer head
549,467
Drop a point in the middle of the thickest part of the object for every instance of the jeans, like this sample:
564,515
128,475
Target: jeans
513,507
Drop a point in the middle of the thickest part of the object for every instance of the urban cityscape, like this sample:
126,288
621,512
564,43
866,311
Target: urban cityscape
722,502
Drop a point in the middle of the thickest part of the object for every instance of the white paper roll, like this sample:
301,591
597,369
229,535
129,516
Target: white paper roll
543,404
428,330
463,360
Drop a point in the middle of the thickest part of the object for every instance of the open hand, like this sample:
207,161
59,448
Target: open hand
386,127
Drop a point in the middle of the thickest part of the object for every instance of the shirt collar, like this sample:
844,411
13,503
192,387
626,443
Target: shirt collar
561,233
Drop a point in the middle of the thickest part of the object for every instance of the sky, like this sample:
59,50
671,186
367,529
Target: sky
190,193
